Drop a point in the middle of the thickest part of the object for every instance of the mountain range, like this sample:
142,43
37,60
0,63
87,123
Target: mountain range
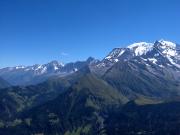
163,54
133,90
28,75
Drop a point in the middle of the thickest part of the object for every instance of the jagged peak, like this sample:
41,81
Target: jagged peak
90,59
166,43
55,62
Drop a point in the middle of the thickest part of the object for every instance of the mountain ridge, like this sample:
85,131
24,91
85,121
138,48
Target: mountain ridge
125,93
163,53
30,75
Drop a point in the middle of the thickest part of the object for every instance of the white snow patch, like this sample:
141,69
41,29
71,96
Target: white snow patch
56,68
116,60
27,69
141,48
167,44
168,48
157,54
144,59
44,70
61,64
153,60
169,52
38,68
147,65
19,67
161,66
173,63
108,57
121,53
115,54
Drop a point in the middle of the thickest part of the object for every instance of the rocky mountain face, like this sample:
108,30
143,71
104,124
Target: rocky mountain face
161,53
144,69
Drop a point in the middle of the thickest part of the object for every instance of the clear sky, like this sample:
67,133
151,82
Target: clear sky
38,31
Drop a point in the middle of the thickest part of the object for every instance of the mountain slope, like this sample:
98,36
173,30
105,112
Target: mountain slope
78,108
14,100
3,83
143,69
165,54
135,78
159,119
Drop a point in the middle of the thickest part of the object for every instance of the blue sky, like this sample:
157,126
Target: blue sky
38,31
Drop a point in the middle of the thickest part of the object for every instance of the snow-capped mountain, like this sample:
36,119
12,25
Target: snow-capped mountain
141,48
151,69
25,75
37,69
161,53
170,51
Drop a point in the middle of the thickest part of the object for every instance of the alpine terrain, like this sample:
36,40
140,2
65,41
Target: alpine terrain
132,91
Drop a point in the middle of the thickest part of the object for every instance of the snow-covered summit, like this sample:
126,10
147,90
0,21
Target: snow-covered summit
37,69
138,44
162,52
167,44
135,49
167,48
56,63
140,48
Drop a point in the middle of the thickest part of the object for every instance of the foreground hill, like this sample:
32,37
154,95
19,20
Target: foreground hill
78,107
159,119
134,78
92,106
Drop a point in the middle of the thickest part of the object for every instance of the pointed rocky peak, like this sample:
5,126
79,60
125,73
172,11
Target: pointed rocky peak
167,44
136,49
55,63
167,48
90,59
35,67
115,53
